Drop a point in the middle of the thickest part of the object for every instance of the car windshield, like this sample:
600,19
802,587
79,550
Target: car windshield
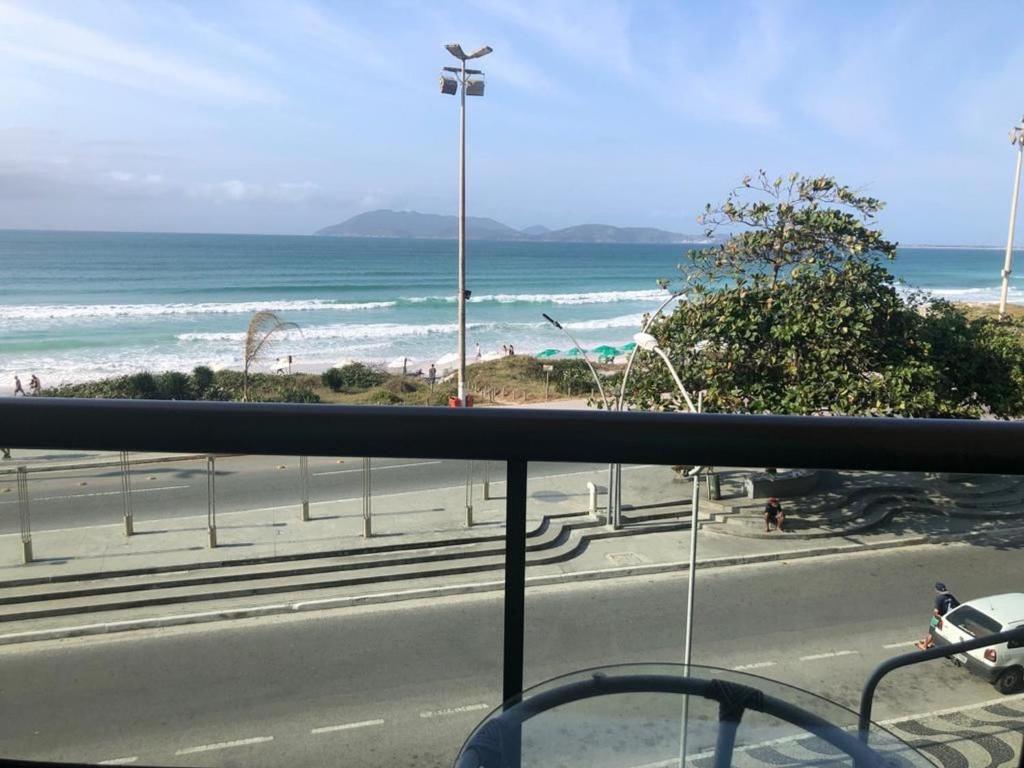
974,622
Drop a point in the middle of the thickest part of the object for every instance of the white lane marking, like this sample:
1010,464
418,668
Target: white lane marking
454,710
757,665
118,761
224,745
99,493
347,726
901,645
832,655
377,469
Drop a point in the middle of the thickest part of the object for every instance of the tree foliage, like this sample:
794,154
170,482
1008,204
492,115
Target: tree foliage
798,314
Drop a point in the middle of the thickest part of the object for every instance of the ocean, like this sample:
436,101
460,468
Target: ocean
76,306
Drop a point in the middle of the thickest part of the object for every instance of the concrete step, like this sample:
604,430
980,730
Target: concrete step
557,542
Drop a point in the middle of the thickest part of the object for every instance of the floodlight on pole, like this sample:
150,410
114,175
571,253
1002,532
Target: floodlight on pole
472,85
1016,139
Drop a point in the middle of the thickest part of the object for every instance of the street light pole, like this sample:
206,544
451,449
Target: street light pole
466,84
1017,138
462,239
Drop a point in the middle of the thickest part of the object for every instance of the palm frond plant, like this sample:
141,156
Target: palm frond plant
264,327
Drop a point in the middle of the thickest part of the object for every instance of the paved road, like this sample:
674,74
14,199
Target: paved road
93,496
403,684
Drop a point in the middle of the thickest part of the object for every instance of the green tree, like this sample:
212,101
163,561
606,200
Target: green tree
798,314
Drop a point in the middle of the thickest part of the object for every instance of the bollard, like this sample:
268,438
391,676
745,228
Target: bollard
211,501
469,494
367,511
487,481
126,494
714,486
592,495
304,486
23,515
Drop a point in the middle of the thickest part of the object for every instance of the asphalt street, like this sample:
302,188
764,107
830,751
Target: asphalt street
404,684
68,499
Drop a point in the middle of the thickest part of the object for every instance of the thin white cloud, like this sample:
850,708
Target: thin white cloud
593,33
237,191
77,50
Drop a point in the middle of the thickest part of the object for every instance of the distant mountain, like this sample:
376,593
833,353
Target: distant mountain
536,229
386,223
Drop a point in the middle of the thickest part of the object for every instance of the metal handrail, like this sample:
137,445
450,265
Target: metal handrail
867,696
505,434
497,740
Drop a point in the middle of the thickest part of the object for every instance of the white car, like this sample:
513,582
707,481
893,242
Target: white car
1003,664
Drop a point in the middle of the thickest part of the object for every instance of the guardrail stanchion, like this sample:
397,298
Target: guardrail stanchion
469,494
304,486
126,494
211,500
23,515
367,508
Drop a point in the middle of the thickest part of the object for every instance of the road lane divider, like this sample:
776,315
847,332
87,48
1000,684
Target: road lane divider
224,745
829,655
347,726
454,710
755,665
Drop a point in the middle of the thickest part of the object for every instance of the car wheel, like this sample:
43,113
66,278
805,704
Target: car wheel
1010,680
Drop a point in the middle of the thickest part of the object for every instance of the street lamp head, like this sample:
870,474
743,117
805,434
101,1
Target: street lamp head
645,341
456,50
552,320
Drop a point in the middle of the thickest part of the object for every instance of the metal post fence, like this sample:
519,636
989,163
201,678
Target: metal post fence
211,500
304,486
367,510
469,494
126,494
23,515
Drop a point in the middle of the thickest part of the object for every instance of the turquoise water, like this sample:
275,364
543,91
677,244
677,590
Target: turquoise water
76,306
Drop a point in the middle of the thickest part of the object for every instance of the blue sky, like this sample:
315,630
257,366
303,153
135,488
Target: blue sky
284,117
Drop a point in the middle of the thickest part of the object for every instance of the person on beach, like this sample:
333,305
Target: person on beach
511,351
945,602
773,515
432,374
34,386
504,350
18,389
479,352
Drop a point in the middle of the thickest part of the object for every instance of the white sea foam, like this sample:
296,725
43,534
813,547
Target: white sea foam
593,297
622,321
82,311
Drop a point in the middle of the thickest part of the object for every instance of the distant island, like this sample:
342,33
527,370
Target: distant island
387,223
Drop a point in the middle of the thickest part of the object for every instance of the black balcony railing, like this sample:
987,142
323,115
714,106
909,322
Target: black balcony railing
515,436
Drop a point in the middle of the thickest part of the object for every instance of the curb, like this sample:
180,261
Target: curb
452,590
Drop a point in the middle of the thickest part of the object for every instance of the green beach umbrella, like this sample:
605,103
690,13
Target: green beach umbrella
605,351
547,353
574,352
628,347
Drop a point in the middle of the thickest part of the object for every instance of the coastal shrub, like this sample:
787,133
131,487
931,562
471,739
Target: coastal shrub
174,385
202,380
352,376
381,396
141,386
400,385
572,376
